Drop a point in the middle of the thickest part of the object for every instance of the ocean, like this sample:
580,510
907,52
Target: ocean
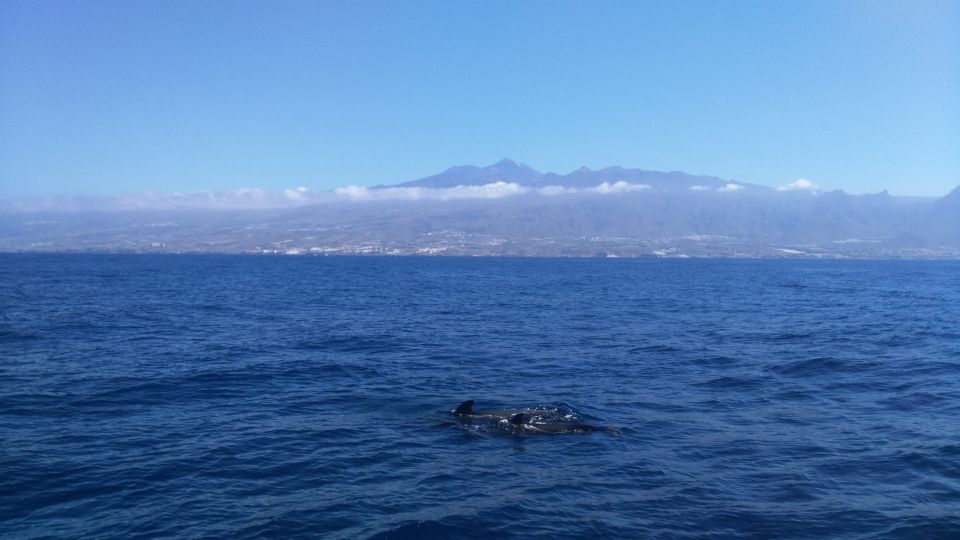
254,396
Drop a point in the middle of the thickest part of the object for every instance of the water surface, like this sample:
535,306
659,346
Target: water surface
239,396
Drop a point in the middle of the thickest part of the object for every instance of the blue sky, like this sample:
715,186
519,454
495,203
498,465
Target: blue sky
105,97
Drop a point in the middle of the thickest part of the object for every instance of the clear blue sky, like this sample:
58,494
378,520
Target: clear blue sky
103,97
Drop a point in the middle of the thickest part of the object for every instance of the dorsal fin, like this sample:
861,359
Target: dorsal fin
517,419
464,408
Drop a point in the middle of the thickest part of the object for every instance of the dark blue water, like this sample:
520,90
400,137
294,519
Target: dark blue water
245,397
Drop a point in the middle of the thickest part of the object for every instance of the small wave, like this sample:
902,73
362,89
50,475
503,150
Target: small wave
795,395
415,530
716,361
216,308
820,366
353,345
944,527
12,336
658,348
949,450
915,401
790,336
731,382
190,387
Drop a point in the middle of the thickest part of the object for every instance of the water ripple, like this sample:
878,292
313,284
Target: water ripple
246,397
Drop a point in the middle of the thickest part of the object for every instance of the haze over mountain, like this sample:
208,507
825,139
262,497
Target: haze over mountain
507,208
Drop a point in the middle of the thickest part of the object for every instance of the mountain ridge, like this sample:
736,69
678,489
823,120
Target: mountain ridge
512,171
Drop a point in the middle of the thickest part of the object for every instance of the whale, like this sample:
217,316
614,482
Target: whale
521,424
466,411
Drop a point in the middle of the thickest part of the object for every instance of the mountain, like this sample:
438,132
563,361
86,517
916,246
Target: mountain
505,170
943,219
507,208
510,171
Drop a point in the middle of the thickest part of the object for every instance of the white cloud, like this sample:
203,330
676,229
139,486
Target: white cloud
731,187
495,190
360,193
602,189
617,187
699,188
800,184
254,198
240,199
299,194
489,191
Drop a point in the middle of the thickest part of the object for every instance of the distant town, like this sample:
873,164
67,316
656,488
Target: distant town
455,243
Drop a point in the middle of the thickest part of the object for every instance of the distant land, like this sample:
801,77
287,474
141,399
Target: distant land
505,209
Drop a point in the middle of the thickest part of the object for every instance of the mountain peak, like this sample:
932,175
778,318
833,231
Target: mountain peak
507,165
952,198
